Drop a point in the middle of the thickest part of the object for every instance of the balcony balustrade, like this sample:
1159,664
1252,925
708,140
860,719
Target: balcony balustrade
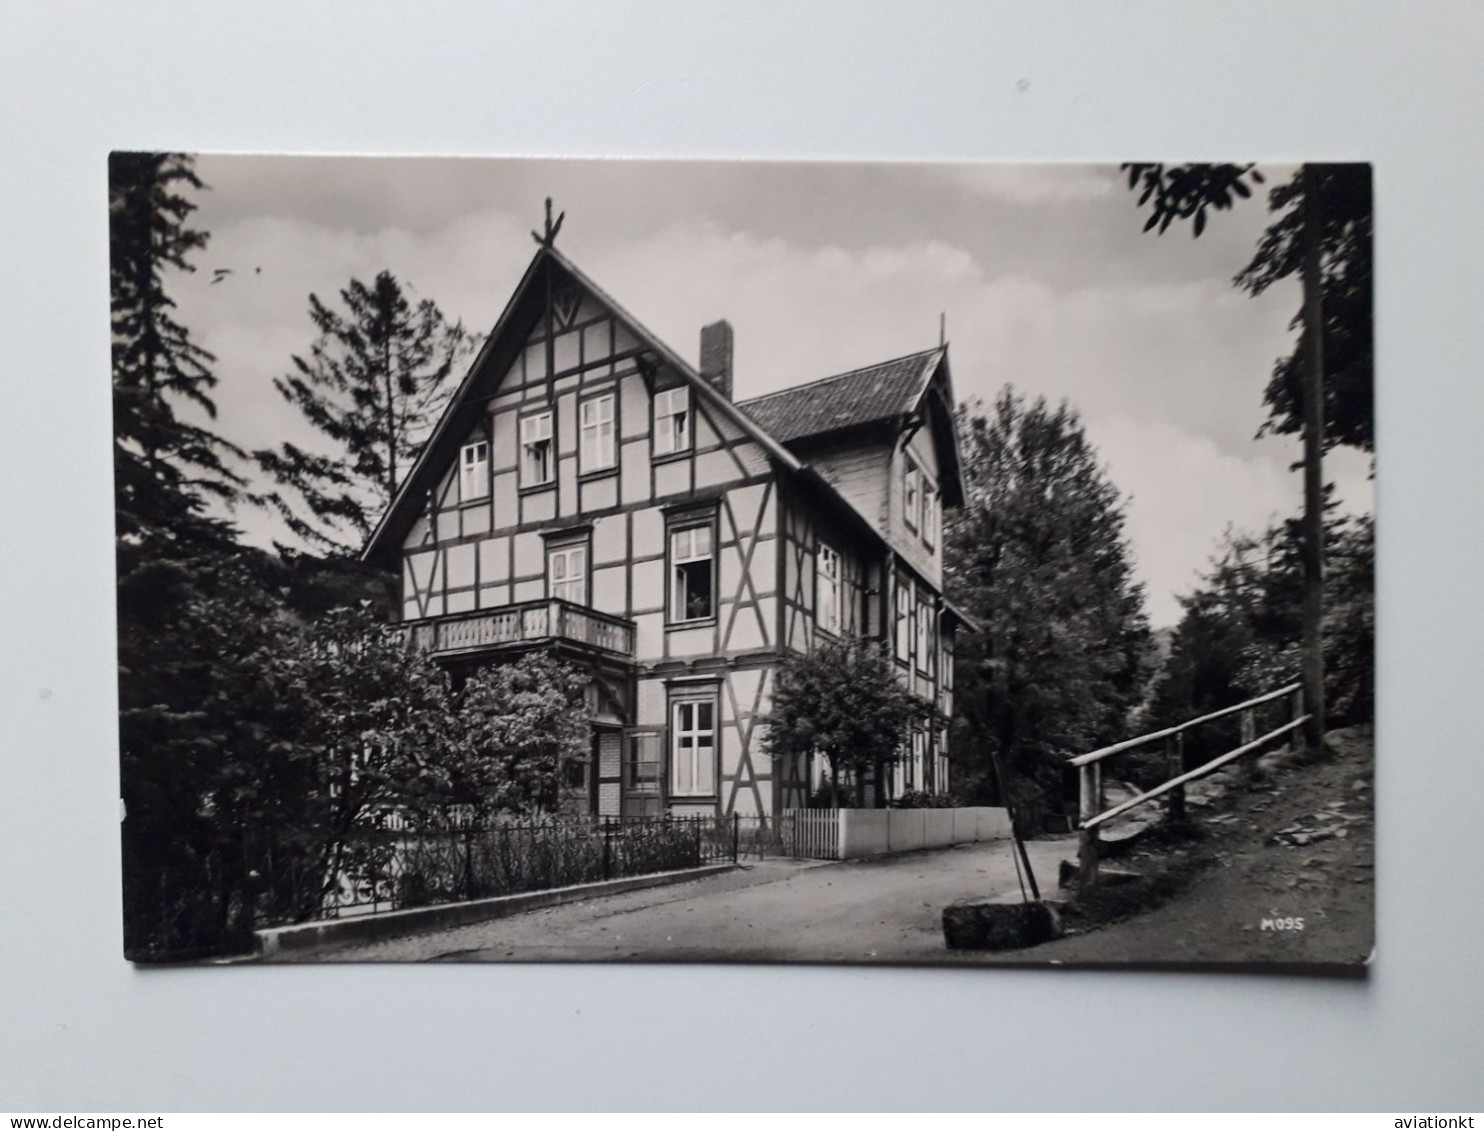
532,622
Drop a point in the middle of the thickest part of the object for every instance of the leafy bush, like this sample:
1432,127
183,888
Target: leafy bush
921,799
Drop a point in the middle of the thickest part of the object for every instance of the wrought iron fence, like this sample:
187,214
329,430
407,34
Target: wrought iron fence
390,869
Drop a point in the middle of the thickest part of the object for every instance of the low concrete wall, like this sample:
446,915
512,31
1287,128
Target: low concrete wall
875,832
439,917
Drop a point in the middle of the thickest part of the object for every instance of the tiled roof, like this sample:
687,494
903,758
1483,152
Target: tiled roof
846,400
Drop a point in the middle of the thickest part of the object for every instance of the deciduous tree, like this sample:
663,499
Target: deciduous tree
1037,556
516,730
846,703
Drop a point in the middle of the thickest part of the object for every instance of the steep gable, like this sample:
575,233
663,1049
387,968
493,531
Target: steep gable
545,328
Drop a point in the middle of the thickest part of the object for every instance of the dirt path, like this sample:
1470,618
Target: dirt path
1300,846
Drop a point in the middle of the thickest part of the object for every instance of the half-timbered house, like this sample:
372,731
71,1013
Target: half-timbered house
588,490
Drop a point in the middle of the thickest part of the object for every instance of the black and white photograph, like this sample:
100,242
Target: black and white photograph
602,561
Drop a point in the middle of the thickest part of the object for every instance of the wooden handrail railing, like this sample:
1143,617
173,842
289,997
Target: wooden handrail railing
1090,814
1191,775
1170,732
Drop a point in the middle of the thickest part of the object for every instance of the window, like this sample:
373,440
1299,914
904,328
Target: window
474,468
924,637
566,573
929,516
691,573
535,450
597,433
693,748
910,501
904,627
643,762
574,774
672,421
827,589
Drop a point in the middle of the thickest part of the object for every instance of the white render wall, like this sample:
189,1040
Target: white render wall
875,832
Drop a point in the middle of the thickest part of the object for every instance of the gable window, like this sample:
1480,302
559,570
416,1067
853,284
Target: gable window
827,589
596,417
672,421
929,516
536,464
692,573
566,573
903,622
693,748
474,471
910,489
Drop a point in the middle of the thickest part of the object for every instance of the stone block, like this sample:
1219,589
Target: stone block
979,925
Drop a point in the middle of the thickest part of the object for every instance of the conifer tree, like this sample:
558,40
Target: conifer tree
1239,633
1037,556
166,469
374,383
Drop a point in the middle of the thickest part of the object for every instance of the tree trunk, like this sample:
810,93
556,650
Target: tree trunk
391,414
1313,399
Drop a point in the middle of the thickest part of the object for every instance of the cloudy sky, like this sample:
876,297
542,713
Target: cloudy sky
1043,273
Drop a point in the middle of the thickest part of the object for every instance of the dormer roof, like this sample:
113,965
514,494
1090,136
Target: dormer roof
874,393
914,389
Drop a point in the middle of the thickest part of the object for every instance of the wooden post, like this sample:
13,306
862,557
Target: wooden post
1313,401
1295,709
1248,720
1088,788
1175,766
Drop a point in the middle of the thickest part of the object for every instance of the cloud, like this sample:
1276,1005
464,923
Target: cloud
1042,287
1183,493
1033,185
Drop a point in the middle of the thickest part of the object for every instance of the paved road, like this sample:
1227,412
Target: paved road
884,910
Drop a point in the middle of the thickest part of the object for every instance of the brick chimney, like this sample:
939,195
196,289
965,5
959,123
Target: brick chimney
716,356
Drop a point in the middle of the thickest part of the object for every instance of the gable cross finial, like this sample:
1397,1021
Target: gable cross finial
942,328
551,229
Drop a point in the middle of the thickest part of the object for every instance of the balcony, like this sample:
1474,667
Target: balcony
548,621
